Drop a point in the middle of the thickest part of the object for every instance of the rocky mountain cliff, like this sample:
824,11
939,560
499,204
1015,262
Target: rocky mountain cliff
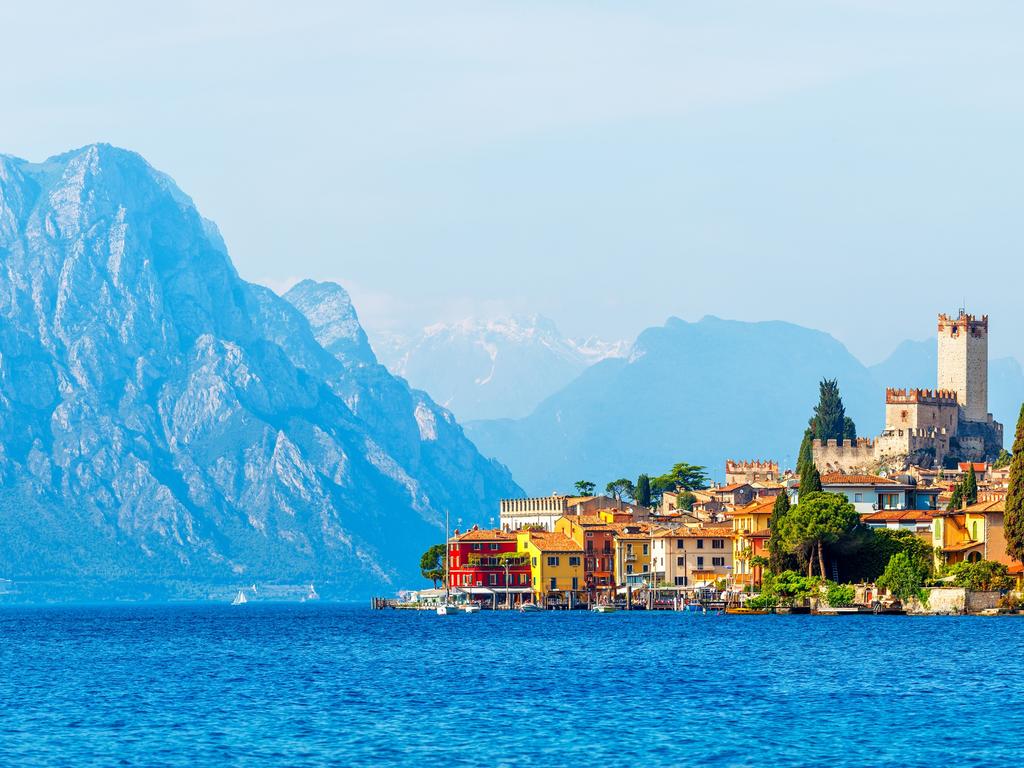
495,368
162,420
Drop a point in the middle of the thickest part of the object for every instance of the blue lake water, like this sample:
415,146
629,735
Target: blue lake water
319,684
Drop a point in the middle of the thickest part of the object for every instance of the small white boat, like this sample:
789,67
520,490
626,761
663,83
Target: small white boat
239,599
471,608
529,608
604,608
448,609
312,594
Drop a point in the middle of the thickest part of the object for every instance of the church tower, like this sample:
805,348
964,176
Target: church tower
963,362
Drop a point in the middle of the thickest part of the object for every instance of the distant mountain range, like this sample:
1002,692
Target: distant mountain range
163,422
495,368
703,392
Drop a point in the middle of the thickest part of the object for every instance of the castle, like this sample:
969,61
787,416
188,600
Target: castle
930,427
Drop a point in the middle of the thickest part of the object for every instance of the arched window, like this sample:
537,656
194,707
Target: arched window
974,530
974,557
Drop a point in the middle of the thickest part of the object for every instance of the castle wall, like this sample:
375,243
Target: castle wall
921,409
850,457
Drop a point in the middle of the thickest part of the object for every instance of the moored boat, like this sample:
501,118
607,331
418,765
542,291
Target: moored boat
604,608
529,608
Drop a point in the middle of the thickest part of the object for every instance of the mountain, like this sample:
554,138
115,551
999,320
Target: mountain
167,426
495,368
699,392
915,363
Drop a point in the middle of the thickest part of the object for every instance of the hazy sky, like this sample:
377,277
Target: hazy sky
851,166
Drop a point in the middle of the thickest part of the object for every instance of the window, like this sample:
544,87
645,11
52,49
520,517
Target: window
700,562
974,530
477,546
629,549
552,561
858,497
554,584
575,583
645,567
680,544
700,543
629,569
717,562
535,581
494,546
680,581
492,580
574,560
522,578
534,559
718,543
680,561
465,579
645,549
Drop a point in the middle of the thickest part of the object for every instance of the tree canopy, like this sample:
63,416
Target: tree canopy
643,491
903,578
682,476
585,487
980,576
1013,519
779,558
621,489
432,563
817,521
969,491
830,421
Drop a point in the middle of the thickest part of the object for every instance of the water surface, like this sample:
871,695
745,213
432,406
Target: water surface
316,684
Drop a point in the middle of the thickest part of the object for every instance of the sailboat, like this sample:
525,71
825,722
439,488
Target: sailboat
239,599
448,607
312,595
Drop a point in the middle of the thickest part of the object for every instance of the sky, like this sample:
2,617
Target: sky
849,165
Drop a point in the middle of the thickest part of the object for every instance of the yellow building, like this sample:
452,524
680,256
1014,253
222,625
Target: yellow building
632,555
750,524
972,533
556,566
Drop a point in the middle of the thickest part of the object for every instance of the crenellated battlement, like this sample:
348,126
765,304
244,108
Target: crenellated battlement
962,322
751,471
895,396
741,466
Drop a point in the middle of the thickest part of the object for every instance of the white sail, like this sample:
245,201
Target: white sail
239,598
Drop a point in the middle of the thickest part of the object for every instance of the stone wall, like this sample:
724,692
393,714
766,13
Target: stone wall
852,456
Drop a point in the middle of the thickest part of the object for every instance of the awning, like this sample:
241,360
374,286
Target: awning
493,590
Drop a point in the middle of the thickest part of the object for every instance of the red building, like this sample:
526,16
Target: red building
479,561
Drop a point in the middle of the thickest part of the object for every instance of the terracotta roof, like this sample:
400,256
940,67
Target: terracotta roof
495,534
728,488
759,506
996,505
553,542
978,466
696,533
764,533
896,515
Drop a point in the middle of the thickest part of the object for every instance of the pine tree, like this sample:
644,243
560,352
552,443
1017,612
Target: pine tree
643,491
970,487
778,557
1013,519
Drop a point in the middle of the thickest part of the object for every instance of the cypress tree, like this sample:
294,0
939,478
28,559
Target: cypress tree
1013,519
810,479
957,499
643,491
829,420
970,487
806,453
778,558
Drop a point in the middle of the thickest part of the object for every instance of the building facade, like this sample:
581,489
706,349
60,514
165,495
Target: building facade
691,557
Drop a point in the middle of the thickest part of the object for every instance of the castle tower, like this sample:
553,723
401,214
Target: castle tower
963,362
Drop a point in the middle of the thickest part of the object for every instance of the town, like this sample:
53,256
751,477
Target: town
915,520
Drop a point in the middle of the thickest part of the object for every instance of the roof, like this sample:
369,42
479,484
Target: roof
996,505
553,542
759,506
838,478
481,534
898,515
695,533
978,466
728,488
